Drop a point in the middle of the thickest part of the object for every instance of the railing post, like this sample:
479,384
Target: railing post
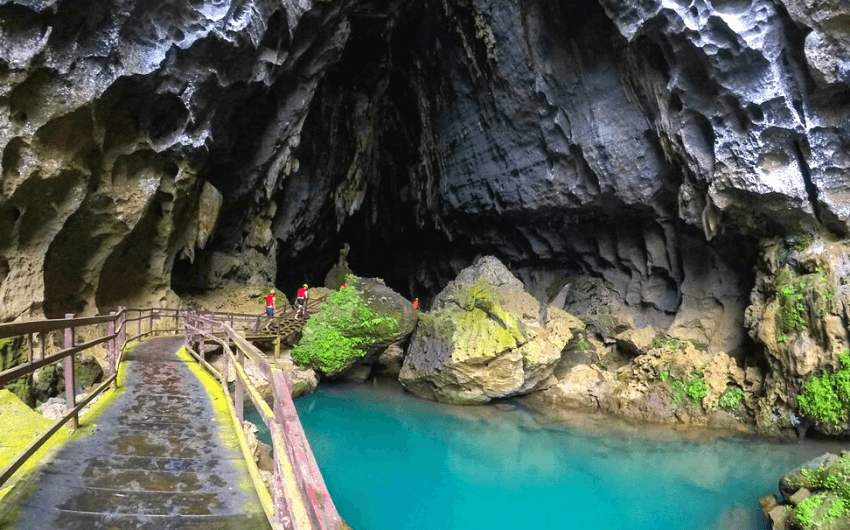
176,321
150,325
139,325
30,349
43,338
203,328
70,398
240,402
122,329
111,347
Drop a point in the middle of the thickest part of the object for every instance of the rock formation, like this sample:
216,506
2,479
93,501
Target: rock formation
485,338
814,496
353,327
627,160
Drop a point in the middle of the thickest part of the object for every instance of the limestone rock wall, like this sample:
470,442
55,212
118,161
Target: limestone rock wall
635,153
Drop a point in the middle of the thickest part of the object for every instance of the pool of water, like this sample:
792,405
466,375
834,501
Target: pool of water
395,462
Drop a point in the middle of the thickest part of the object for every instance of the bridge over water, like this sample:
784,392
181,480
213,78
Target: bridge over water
169,452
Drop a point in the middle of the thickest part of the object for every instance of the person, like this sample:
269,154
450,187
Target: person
415,303
270,304
301,301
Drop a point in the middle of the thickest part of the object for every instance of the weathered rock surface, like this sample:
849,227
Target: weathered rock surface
799,314
668,381
485,338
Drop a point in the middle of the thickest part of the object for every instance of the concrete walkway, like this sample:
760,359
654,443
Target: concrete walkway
160,459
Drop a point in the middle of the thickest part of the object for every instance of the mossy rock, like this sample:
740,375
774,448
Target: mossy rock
828,479
20,423
13,353
355,323
484,339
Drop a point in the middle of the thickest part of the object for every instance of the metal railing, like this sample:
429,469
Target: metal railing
66,332
299,498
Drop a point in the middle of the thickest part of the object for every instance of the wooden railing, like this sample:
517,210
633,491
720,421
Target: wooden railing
118,325
299,498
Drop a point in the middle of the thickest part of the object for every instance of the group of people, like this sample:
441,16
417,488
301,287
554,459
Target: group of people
300,302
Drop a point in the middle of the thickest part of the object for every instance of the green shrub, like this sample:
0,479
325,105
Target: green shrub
340,333
664,375
826,398
731,398
583,344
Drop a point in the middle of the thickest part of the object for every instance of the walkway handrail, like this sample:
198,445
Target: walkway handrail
299,497
115,338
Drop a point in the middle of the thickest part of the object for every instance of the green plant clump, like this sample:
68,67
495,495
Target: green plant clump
667,342
796,294
802,242
340,332
730,399
792,308
826,398
696,388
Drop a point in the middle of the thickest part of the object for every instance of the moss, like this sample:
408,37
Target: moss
798,296
532,353
12,354
666,342
23,425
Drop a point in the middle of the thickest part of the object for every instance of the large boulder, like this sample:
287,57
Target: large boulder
485,338
356,324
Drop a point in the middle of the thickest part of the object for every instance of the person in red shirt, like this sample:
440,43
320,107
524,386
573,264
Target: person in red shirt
415,303
270,304
301,301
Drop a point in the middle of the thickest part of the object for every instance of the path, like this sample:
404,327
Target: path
161,458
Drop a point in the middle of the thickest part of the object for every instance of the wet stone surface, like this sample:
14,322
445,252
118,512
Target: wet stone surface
157,460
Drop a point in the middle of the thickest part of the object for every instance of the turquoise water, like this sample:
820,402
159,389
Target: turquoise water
395,462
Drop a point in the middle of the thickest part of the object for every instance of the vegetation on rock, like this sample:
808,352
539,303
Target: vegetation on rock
796,294
341,332
826,398
730,399
694,388
12,354
829,503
